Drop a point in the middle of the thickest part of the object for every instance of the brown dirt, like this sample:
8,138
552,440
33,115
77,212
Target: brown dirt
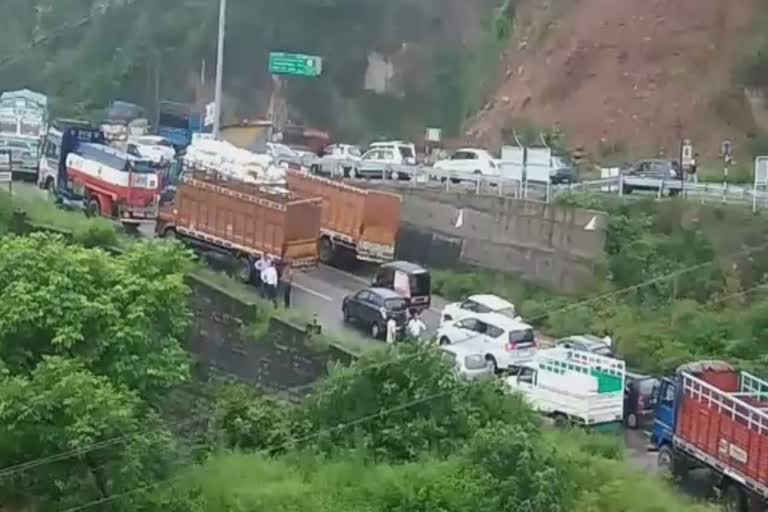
643,73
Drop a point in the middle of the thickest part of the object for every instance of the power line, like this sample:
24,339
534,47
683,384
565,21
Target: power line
268,451
11,470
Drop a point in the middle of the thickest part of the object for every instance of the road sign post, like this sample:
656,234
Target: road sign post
295,64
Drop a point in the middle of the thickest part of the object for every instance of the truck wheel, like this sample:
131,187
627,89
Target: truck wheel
168,234
345,314
50,187
632,421
325,250
93,209
244,269
734,499
561,420
672,465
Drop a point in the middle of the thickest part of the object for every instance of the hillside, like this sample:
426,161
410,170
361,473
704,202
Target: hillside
629,77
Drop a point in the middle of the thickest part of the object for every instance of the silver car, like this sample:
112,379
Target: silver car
468,363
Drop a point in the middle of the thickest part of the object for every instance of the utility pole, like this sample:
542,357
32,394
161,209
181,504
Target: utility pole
219,67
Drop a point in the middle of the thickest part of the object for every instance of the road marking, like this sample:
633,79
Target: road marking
313,292
347,274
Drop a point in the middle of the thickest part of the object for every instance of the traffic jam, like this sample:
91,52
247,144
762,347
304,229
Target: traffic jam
300,202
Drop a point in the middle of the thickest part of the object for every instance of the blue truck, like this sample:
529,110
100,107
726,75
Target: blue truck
177,122
711,415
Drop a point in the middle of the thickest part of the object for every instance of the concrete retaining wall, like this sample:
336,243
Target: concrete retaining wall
548,244
283,359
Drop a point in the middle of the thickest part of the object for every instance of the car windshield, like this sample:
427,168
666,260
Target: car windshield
396,304
508,312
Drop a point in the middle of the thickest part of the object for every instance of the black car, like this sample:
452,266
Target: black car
563,176
638,400
372,307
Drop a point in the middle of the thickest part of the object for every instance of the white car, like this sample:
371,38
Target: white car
339,160
282,155
478,304
467,362
476,162
151,147
377,163
504,342
406,151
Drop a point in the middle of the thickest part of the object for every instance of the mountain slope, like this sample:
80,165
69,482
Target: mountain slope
625,74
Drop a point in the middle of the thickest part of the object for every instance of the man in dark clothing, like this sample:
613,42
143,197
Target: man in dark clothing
286,282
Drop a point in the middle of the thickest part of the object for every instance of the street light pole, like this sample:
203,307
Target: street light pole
219,67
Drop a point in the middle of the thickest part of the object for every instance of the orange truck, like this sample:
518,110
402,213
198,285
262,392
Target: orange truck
243,221
356,220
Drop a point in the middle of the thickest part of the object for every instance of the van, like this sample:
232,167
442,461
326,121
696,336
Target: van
411,281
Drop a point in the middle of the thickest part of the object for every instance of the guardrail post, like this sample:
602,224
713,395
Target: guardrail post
661,191
621,185
477,186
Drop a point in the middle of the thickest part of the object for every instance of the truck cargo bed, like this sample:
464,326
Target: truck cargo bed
248,219
366,220
723,422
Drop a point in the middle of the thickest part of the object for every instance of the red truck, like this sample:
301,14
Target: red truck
714,416
363,222
243,221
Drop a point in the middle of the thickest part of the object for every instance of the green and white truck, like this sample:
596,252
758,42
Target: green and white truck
572,386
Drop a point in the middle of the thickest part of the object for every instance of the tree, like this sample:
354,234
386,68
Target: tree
123,318
56,415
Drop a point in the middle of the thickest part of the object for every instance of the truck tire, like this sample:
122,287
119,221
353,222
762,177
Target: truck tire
561,420
734,499
168,234
93,209
325,251
244,269
671,464
631,421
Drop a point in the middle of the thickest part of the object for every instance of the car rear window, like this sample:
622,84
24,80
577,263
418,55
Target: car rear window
406,152
421,284
396,304
522,338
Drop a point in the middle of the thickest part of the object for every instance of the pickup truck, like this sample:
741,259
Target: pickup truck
711,415
573,387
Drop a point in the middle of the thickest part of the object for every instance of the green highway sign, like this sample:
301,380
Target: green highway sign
295,64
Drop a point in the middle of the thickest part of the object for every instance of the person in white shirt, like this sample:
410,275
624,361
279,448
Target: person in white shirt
391,331
269,280
416,326
259,265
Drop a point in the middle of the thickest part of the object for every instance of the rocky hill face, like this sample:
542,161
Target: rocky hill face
629,76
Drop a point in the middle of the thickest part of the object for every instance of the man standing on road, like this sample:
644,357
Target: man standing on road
259,267
391,331
269,282
416,326
286,280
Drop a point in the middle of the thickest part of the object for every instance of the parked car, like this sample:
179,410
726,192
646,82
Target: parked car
505,343
283,156
652,175
338,160
372,307
469,162
478,304
468,362
381,163
411,281
405,150
151,147
586,343
639,404
563,176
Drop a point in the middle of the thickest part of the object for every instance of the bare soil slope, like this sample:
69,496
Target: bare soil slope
640,73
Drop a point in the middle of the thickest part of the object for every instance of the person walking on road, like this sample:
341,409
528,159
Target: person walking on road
259,266
416,326
286,280
269,281
391,331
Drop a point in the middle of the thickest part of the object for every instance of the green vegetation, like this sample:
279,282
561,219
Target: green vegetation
683,282
92,369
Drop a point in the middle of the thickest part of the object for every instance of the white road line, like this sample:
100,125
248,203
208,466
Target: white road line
313,292
347,274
